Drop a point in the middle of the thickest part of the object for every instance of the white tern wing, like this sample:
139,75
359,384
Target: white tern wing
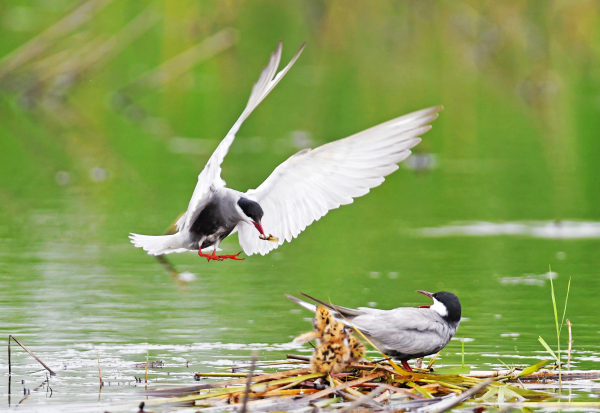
211,174
311,182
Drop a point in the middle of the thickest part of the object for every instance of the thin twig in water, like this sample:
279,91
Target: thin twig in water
248,382
570,345
295,357
30,353
146,375
99,370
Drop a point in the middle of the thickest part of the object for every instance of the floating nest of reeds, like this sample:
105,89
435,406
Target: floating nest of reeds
371,385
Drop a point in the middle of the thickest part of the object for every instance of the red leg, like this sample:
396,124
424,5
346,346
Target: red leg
216,257
406,366
213,256
232,257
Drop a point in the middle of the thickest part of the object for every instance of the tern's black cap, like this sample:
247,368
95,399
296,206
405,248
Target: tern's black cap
251,209
452,304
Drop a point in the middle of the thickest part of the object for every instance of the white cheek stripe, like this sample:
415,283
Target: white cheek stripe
439,308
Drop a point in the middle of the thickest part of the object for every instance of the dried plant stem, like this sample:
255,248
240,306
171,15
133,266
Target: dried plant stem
248,383
295,357
30,353
333,389
99,370
570,345
448,404
146,375
365,399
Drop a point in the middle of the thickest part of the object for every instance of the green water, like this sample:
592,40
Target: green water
85,159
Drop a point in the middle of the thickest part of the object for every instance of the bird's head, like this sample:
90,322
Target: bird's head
252,213
445,304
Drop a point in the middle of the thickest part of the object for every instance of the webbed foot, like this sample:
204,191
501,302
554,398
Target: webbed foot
213,256
232,257
216,257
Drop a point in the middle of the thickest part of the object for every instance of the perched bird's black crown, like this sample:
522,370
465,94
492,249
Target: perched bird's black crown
251,209
452,304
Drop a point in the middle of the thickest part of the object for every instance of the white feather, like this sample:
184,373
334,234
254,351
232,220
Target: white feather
439,308
158,245
211,174
312,182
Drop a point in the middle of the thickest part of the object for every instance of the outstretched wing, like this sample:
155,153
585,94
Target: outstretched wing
211,174
310,183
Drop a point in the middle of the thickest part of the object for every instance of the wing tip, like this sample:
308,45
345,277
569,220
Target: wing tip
278,48
301,49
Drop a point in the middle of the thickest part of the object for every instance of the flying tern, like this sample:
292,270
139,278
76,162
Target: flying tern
299,191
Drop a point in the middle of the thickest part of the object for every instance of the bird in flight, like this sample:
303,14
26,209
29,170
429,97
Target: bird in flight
299,191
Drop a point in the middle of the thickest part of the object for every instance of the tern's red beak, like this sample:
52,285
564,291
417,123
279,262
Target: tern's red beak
428,294
259,228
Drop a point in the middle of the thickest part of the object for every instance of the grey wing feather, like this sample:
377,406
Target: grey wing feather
345,311
312,182
308,306
407,330
210,177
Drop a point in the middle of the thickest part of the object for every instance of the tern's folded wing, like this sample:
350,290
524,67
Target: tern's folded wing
406,330
310,183
211,174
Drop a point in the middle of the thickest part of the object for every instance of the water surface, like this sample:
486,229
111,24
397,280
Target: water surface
504,185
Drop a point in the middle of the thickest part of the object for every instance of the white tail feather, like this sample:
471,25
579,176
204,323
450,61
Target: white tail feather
158,245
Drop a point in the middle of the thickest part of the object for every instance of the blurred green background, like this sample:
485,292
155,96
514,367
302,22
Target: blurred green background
109,110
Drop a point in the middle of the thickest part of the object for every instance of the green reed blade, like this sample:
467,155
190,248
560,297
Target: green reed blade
565,310
532,369
547,347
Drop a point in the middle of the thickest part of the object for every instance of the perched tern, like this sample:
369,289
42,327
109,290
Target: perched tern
299,191
404,333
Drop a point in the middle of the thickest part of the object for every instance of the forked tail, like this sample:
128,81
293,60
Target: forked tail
158,245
